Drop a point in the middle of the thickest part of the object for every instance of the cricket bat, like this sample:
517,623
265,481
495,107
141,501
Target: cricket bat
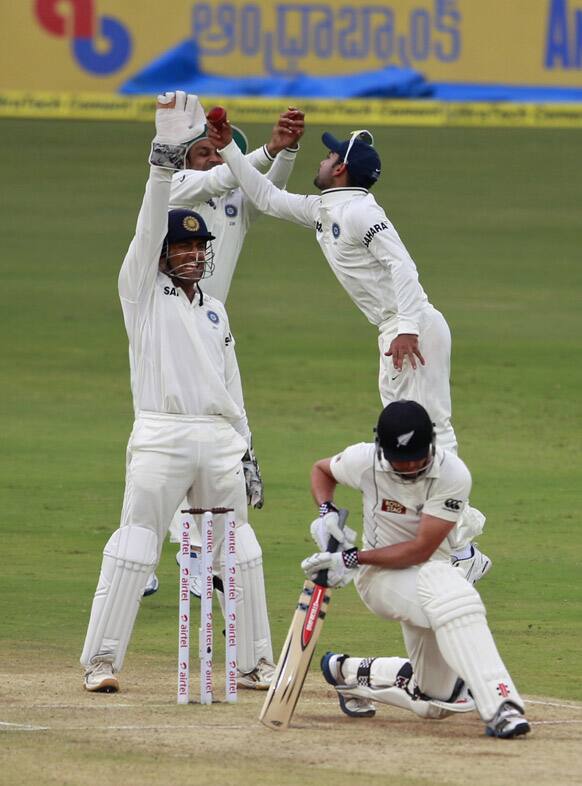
299,647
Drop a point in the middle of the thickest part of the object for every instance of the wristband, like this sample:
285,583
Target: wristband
350,558
327,507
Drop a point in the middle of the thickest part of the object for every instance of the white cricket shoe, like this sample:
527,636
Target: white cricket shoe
100,676
152,585
259,678
507,722
474,567
353,706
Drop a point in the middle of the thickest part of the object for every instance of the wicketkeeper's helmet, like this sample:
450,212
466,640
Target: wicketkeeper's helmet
187,225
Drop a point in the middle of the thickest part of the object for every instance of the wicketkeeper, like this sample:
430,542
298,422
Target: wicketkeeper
413,493
208,187
371,262
190,429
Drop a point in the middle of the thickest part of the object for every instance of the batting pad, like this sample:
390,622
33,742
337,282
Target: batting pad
129,557
384,688
253,631
457,616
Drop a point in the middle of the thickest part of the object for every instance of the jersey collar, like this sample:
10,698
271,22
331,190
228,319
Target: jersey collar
335,196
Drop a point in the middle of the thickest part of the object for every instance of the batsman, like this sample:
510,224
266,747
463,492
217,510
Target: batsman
413,493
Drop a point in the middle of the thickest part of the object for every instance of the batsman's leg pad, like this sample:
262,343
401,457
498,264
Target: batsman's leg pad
387,681
129,557
457,616
254,633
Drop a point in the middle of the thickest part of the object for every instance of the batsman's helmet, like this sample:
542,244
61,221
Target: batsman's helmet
404,432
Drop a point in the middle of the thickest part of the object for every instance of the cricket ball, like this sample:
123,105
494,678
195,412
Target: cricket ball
217,116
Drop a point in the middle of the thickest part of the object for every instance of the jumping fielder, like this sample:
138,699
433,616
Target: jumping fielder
370,261
413,493
190,429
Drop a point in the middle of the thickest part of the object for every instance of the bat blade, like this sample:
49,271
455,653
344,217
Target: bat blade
296,656
299,647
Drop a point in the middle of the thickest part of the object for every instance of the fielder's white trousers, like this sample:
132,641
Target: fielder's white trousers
428,384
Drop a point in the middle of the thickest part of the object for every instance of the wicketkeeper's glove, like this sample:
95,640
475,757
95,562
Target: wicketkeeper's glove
253,479
327,525
341,566
179,118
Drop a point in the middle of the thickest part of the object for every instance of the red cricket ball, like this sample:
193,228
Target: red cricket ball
217,116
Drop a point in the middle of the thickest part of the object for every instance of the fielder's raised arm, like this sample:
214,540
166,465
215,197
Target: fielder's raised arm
264,195
207,177
178,117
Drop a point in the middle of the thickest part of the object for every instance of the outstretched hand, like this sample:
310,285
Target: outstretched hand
405,346
287,131
219,136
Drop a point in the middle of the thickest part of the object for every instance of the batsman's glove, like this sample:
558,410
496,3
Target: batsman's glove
253,479
175,126
327,525
341,566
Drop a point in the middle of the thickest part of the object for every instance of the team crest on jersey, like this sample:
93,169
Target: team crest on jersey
213,317
230,210
335,230
392,506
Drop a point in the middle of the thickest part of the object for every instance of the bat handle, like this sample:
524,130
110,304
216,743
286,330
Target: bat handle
332,546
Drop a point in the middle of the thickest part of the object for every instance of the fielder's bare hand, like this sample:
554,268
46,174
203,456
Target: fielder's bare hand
405,346
220,136
288,130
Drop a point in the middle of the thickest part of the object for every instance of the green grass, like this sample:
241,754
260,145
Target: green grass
492,218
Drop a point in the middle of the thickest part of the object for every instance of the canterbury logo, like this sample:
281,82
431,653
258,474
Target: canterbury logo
404,439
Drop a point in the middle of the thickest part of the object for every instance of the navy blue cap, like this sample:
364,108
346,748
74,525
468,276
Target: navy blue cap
186,225
363,162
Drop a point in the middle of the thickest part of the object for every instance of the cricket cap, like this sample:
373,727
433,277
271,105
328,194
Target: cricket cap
359,155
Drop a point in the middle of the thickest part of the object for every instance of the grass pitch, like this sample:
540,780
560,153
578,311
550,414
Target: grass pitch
492,219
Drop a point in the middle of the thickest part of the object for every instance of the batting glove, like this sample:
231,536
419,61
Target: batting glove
253,479
179,118
327,526
341,566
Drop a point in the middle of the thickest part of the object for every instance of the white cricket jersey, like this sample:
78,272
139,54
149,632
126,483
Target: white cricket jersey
392,510
182,354
226,210
360,244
